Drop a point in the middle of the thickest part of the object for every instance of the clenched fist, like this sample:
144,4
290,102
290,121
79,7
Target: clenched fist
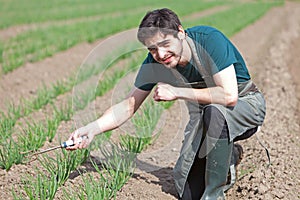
164,92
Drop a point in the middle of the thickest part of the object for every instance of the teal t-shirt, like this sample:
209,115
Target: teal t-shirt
215,52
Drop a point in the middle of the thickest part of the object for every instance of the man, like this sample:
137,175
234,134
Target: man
201,66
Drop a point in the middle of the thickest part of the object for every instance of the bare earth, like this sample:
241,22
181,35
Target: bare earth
271,48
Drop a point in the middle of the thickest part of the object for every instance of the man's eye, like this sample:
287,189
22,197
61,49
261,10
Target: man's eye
165,44
152,49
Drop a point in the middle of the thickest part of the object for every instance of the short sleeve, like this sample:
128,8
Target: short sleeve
220,51
144,79
151,72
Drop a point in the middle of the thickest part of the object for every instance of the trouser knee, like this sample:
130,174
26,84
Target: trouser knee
215,124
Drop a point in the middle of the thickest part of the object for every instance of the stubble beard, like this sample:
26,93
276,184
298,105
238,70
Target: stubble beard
177,58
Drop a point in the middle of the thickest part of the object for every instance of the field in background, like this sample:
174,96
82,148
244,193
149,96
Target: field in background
52,27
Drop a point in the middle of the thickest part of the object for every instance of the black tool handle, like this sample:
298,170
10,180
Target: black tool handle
70,143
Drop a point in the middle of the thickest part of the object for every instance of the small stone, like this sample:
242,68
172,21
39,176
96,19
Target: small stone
263,189
278,194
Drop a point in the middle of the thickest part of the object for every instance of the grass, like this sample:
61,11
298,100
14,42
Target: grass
41,186
119,166
6,124
34,136
227,20
47,95
9,154
144,123
113,172
37,44
50,175
15,12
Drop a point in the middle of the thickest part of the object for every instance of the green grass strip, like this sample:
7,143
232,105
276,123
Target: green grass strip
235,19
121,74
16,12
46,95
51,174
35,134
35,45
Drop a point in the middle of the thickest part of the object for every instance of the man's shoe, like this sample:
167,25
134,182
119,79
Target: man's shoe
237,154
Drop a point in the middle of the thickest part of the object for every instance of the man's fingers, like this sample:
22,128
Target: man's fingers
83,144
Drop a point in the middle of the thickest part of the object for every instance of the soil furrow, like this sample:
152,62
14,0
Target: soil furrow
255,42
269,47
24,81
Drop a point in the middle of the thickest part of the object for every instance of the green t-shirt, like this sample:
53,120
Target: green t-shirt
215,52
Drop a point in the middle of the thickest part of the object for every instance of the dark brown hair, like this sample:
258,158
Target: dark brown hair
163,20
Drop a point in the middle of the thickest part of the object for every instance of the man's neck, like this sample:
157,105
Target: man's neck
186,55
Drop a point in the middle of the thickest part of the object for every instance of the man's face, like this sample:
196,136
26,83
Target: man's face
165,49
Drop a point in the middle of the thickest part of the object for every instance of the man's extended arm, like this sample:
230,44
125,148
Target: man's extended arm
114,117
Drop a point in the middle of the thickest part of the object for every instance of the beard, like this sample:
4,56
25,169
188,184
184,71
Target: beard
172,59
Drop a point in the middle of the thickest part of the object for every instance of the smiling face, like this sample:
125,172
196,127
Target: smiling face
165,49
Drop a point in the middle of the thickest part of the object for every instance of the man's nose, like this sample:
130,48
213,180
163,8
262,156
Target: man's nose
161,52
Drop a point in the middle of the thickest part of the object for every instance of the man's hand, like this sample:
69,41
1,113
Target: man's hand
83,136
164,92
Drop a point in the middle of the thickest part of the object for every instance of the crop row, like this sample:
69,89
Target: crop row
15,12
45,186
40,132
37,44
112,173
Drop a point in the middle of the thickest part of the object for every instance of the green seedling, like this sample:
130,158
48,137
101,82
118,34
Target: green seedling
33,137
60,87
226,20
63,164
43,98
15,111
9,154
52,125
134,144
41,186
65,112
92,189
166,104
6,125
52,175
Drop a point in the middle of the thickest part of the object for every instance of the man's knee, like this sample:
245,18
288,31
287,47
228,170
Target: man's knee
214,123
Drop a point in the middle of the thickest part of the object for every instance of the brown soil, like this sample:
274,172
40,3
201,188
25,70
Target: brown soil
270,47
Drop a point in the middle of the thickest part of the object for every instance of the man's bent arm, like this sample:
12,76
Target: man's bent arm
225,92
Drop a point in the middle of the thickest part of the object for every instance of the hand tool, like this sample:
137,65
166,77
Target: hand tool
65,144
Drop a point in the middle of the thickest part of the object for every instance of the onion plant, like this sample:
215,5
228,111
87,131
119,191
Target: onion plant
145,123
40,186
91,189
63,164
6,124
113,172
33,137
52,174
64,112
52,125
9,154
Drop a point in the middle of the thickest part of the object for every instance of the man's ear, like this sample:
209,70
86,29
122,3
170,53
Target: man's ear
181,32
